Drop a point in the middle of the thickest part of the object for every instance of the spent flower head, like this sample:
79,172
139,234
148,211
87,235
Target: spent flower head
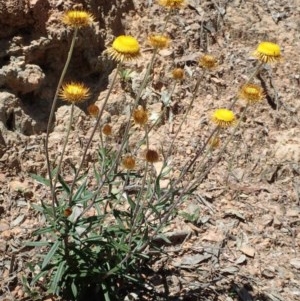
151,156
107,129
268,52
74,92
67,212
124,48
178,73
223,118
171,3
78,18
208,61
158,41
140,116
251,93
128,162
93,110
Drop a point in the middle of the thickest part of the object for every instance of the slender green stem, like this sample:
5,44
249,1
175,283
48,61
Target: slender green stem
200,165
167,20
185,115
53,107
196,182
142,87
96,126
139,204
125,135
141,142
221,151
63,151
139,93
126,132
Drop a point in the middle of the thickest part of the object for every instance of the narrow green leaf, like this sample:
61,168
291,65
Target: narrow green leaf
54,287
64,185
40,179
37,277
38,208
131,203
164,238
79,191
51,253
36,243
96,173
105,290
74,289
73,167
43,231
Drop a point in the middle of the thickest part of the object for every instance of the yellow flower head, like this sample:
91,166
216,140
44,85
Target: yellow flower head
128,162
124,48
140,116
78,18
158,41
178,73
74,92
93,110
208,61
268,52
171,3
151,156
251,93
224,118
107,129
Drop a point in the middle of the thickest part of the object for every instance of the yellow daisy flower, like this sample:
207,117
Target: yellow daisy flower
268,52
158,41
251,93
74,92
224,118
124,48
78,18
208,61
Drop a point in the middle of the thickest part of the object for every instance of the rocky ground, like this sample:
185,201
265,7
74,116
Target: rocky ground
243,242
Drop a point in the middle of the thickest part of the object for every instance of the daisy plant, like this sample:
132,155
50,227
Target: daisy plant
75,19
104,217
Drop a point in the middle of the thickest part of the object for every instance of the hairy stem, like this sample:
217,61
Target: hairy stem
96,126
62,76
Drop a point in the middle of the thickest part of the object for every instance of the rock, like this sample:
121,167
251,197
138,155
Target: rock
21,77
241,259
293,212
295,262
276,222
287,144
4,226
266,220
248,250
13,118
268,272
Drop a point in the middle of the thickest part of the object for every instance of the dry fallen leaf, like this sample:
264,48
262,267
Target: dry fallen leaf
213,235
